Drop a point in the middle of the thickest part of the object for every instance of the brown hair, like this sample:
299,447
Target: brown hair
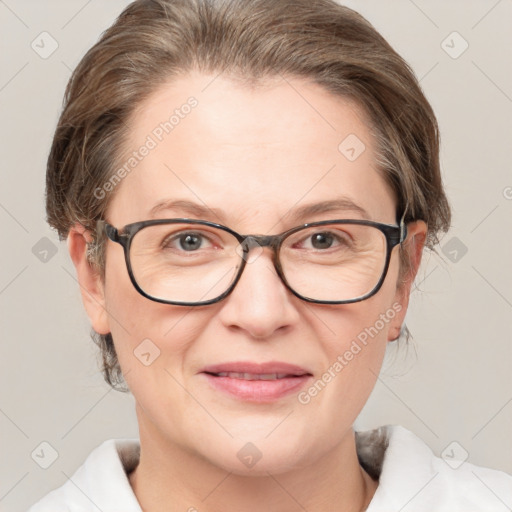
154,41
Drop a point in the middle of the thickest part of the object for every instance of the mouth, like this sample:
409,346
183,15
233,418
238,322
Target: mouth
254,376
257,382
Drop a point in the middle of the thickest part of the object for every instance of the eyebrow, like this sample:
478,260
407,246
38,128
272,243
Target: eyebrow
202,211
344,204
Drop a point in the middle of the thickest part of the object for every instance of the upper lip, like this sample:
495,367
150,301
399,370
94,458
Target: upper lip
256,368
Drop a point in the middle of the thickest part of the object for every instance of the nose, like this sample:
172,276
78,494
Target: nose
260,304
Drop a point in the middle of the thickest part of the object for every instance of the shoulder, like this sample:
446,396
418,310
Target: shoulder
101,482
411,477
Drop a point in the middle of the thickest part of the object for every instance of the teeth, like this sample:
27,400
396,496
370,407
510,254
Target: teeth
253,376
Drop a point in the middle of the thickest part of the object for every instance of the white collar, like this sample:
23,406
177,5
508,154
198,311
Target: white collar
412,478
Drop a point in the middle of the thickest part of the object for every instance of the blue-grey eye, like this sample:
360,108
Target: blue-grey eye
322,240
190,242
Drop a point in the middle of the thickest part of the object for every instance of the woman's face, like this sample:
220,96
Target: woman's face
249,159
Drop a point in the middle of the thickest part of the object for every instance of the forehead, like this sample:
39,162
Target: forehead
250,155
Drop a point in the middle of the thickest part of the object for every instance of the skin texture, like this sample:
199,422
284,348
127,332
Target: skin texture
254,156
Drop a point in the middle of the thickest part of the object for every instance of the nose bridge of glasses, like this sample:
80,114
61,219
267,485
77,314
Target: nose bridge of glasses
255,241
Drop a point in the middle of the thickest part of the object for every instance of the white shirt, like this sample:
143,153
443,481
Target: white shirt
411,478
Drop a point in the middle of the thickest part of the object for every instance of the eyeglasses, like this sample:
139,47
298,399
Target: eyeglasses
189,262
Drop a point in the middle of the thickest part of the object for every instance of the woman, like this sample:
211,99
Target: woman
246,188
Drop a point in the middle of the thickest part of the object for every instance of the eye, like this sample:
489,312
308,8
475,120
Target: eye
190,242
323,240
187,241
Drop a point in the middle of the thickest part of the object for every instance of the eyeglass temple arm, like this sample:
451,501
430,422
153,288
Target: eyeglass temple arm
403,226
102,227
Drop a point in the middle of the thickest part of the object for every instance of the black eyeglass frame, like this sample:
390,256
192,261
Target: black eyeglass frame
394,235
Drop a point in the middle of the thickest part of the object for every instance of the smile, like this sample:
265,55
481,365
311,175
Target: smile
253,376
257,387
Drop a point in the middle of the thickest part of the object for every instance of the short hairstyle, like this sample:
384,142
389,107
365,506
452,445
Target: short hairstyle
153,42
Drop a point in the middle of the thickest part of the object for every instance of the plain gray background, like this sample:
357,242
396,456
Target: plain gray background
453,384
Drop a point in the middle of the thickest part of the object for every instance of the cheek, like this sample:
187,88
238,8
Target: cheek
355,348
149,337
354,356
129,315
365,321
360,337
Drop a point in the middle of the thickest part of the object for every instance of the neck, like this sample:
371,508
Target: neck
173,478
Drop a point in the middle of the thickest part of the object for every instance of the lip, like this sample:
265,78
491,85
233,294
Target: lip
258,391
256,368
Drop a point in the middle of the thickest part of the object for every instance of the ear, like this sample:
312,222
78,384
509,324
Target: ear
89,279
413,247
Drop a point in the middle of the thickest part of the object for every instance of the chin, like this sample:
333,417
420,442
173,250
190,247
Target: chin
258,457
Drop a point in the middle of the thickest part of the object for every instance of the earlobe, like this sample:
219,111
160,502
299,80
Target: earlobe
413,245
89,279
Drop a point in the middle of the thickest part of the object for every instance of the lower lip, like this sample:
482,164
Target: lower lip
259,391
